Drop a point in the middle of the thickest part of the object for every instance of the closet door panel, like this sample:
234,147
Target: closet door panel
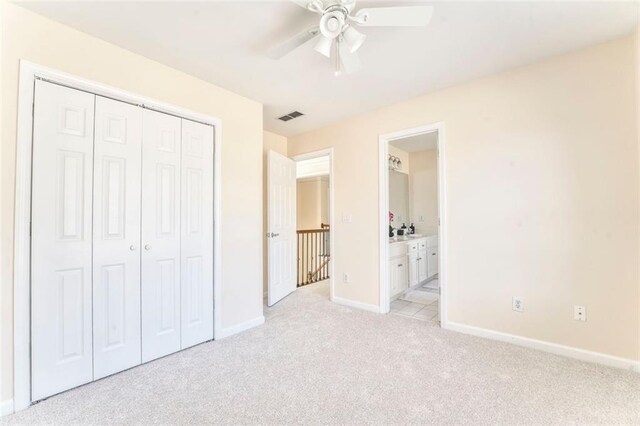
197,233
161,150
61,335
116,236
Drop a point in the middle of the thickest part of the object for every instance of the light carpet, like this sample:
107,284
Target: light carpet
316,362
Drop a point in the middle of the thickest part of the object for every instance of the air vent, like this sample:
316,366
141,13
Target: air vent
291,116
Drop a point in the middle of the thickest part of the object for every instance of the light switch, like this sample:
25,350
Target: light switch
346,218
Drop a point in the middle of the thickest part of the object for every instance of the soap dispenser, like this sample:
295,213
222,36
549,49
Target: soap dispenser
412,229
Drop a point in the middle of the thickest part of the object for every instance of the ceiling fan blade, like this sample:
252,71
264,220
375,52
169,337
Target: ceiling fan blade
293,43
312,5
408,16
349,62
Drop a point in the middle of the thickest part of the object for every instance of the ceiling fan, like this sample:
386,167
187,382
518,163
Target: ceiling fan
336,32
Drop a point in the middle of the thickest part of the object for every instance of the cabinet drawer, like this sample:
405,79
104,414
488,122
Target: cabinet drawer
432,242
422,244
412,246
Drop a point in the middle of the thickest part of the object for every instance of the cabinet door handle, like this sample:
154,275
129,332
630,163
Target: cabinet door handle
433,254
147,247
132,247
399,265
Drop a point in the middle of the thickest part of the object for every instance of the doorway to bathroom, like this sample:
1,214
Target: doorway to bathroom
412,238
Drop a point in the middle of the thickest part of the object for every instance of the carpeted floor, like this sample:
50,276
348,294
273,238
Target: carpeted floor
315,362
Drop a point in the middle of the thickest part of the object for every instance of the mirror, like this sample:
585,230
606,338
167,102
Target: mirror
399,198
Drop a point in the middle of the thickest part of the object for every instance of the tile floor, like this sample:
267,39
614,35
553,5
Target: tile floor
419,304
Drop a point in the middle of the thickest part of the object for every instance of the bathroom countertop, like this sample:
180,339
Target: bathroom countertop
404,239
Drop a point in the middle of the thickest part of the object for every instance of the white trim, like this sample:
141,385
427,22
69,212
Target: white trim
217,229
554,348
238,328
6,407
28,74
383,179
357,305
22,242
332,239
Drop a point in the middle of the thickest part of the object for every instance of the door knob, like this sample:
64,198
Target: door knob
132,247
147,247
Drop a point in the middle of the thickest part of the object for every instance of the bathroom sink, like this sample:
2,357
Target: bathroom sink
398,239
416,235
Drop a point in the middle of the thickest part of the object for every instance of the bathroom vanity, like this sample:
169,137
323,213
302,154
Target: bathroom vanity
413,260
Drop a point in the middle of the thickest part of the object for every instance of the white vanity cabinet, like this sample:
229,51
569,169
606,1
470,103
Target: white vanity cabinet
411,262
398,275
432,256
418,265
422,261
412,257
398,269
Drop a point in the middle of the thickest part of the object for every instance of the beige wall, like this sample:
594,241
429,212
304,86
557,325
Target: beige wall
34,38
312,204
423,190
542,202
277,143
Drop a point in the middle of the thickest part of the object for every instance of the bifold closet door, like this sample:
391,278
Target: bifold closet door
116,236
61,241
161,231
197,233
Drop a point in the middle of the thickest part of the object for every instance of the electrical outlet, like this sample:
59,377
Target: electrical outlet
517,304
347,218
345,277
579,313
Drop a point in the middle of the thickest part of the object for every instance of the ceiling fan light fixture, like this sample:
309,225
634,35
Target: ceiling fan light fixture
331,24
339,38
323,46
353,38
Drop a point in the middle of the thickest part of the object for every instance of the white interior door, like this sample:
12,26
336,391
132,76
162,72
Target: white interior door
281,226
197,233
116,236
160,235
61,239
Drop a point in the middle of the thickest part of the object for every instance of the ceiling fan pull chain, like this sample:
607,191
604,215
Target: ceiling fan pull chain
338,57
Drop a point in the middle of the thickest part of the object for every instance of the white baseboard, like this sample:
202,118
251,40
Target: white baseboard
6,407
541,345
238,328
357,305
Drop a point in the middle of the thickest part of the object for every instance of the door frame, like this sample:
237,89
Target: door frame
317,154
29,72
383,191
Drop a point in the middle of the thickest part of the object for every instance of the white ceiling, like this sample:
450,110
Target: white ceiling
423,142
225,43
